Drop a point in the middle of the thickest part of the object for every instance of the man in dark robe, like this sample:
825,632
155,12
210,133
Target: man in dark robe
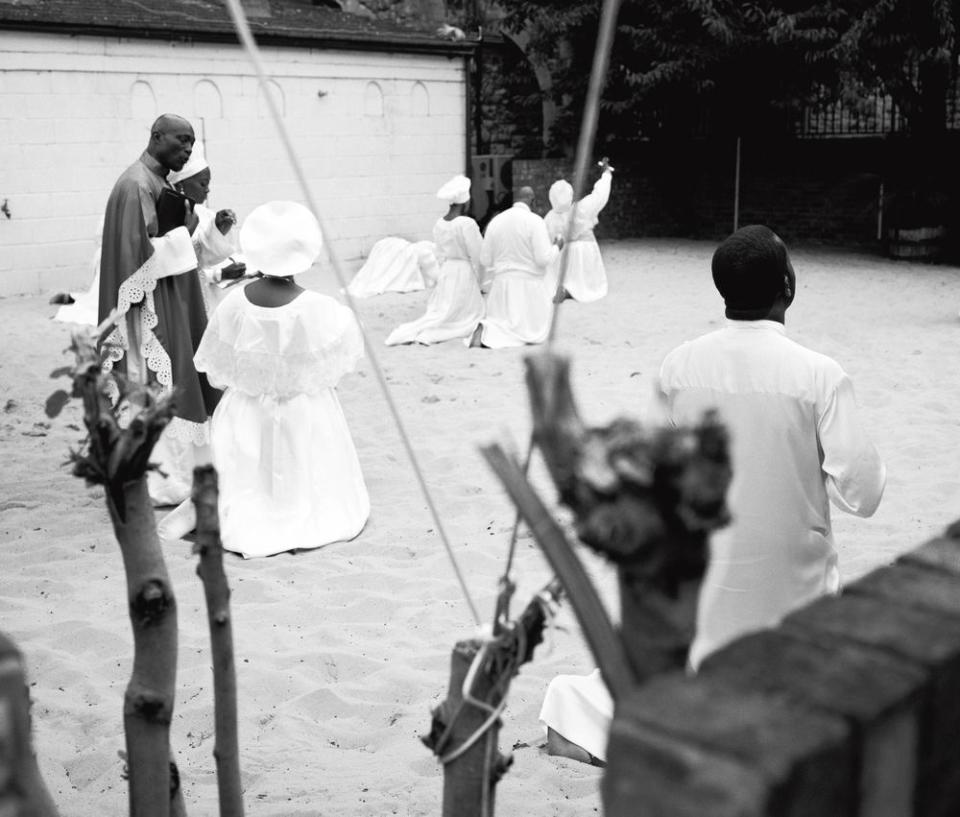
151,279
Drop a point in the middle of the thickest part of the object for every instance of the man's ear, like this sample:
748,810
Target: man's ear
787,288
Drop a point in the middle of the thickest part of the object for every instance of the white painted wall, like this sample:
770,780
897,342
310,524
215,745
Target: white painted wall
376,134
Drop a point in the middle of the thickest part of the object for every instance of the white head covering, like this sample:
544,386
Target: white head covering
280,238
455,191
196,163
561,195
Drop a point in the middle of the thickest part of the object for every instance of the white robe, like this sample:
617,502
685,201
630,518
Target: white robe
455,306
394,265
515,255
586,277
289,474
214,251
796,444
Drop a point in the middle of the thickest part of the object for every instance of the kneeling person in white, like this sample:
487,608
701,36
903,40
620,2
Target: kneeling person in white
289,473
515,255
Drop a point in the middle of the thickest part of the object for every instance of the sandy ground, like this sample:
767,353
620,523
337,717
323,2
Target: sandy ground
341,652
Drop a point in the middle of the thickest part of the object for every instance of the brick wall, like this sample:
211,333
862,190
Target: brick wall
808,191
849,708
377,134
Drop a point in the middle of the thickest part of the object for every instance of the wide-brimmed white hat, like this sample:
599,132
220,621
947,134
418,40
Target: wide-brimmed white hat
455,191
281,238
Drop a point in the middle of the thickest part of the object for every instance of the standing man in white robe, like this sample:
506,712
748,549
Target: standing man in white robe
515,255
796,445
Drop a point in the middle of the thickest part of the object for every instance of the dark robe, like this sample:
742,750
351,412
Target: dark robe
168,346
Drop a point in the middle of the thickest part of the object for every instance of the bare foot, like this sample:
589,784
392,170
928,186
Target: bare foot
558,745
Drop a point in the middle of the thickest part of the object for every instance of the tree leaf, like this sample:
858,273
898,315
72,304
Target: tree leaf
56,402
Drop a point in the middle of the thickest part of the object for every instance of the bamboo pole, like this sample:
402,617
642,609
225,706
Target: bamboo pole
216,590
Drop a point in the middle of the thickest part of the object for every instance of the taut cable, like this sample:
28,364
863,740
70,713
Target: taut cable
588,132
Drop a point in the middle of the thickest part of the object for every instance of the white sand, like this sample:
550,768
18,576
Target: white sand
341,652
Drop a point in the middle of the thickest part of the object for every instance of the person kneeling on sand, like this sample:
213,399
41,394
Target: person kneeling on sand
289,474
796,446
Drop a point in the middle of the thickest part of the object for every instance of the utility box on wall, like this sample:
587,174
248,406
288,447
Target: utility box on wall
492,185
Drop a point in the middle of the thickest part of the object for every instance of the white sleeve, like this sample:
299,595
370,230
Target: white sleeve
545,251
212,246
855,474
173,254
591,204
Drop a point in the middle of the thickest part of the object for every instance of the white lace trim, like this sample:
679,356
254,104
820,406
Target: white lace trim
138,288
188,431
255,371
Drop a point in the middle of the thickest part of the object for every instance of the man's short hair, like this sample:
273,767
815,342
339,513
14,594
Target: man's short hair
748,270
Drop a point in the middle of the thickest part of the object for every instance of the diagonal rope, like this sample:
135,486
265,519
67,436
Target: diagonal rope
253,52
588,132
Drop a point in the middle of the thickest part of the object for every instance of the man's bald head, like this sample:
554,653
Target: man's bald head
526,195
171,141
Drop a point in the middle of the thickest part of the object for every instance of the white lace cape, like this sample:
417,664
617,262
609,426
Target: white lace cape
138,289
300,348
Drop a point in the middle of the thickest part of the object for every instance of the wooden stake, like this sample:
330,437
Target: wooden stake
217,592
466,726
22,790
117,457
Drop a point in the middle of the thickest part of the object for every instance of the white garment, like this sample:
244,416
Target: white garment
214,250
394,265
289,473
795,441
515,254
579,707
586,277
85,305
455,306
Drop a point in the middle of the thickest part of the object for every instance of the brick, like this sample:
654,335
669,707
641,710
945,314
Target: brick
915,636
941,554
912,586
880,698
680,744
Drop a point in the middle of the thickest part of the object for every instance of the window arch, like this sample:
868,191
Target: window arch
419,100
143,102
276,92
373,100
207,100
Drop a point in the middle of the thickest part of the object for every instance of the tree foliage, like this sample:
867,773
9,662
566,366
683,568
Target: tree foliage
689,66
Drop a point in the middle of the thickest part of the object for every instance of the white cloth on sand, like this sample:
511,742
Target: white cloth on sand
586,277
455,305
579,708
290,477
394,265
515,255
85,305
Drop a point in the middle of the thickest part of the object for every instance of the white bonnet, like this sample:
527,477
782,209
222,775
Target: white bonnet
196,163
561,195
455,191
